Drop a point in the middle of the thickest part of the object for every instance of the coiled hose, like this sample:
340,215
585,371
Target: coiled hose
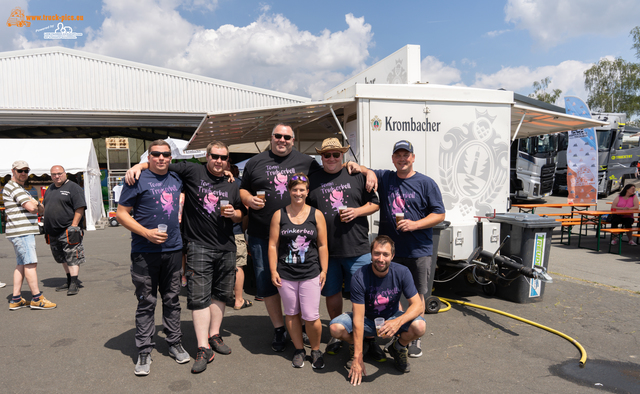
583,353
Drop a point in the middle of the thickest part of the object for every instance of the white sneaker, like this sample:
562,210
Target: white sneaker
2,285
632,243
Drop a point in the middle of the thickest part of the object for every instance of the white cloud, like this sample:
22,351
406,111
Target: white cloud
551,22
567,76
270,52
435,71
496,33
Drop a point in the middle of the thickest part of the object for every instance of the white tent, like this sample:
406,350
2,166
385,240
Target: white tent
178,151
75,155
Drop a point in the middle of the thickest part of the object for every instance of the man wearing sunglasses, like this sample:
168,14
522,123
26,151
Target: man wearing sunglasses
211,246
418,198
269,172
156,252
65,205
22,225
331,191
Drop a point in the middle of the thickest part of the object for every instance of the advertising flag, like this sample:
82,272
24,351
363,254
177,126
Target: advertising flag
582,157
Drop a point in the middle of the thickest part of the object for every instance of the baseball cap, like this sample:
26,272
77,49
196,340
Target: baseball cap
403,144
19,164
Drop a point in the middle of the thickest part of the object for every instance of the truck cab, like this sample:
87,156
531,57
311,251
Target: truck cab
533,166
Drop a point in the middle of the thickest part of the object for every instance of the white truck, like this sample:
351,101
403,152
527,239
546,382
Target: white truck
461,137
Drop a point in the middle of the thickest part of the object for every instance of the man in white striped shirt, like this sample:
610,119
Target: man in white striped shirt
22,226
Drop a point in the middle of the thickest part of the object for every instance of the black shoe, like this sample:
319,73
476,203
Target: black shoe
218,345
317,361
64,287
73,288
203,357
298,358
279,342
333,347
401,357
374,350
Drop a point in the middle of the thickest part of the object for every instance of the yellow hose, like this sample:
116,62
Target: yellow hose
583,353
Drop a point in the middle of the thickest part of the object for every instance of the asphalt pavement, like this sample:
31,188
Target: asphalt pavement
86,344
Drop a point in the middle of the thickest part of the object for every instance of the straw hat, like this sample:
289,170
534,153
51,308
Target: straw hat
332,144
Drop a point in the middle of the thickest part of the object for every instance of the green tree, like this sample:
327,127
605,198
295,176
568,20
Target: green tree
613,86
635,33
540,91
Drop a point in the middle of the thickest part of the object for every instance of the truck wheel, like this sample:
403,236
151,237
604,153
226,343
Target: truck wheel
113,222
489,289
432,305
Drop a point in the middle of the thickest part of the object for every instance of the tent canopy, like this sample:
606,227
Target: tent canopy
76,155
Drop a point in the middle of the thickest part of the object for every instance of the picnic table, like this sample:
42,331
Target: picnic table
596,216
531,208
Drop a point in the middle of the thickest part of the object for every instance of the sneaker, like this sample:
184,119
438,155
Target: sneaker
178,353
73,288
42,303
17,305
351,352
143,366
374,350
203,357
64,287
305,339
333,347
614,241
218,345
298,358
632,243
415,348
2,284
400,357
317,361
279,342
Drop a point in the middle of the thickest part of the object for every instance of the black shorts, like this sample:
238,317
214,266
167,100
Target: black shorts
210,274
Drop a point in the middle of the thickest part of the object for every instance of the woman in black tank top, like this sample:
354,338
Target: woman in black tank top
298,259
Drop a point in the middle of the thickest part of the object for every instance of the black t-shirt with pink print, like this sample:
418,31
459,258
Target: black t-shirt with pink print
201,218
271,173
298,257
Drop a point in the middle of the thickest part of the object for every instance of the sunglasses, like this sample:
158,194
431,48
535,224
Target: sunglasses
155,153
285,136
23,171
299,178
334,154
221,157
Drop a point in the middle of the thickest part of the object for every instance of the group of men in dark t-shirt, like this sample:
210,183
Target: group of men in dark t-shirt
345,199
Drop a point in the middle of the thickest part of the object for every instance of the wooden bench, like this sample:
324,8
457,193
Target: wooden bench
618,231
568,225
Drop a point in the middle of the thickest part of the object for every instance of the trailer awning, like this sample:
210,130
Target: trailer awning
315,122
530,121
310,121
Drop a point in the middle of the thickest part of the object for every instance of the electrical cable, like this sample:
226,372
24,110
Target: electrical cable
583,352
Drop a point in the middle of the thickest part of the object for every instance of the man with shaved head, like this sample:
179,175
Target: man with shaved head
65,204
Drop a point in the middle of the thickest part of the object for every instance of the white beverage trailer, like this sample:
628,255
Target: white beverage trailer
461,137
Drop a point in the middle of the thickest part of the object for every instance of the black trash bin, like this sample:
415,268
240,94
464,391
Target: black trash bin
530,243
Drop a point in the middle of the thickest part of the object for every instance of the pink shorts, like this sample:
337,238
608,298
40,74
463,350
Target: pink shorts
302,296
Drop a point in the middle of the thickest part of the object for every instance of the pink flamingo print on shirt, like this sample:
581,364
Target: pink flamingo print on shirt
210,202
281,183
167,202
397,206
336,199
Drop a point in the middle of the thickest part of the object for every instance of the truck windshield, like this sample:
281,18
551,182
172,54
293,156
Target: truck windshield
547,143
604,139
563,141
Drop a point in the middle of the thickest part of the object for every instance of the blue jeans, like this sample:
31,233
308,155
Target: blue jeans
340,270
346,320
259,248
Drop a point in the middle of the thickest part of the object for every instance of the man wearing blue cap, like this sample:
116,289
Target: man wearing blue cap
410,205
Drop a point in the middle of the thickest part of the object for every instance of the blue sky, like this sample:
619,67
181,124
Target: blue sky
306,48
